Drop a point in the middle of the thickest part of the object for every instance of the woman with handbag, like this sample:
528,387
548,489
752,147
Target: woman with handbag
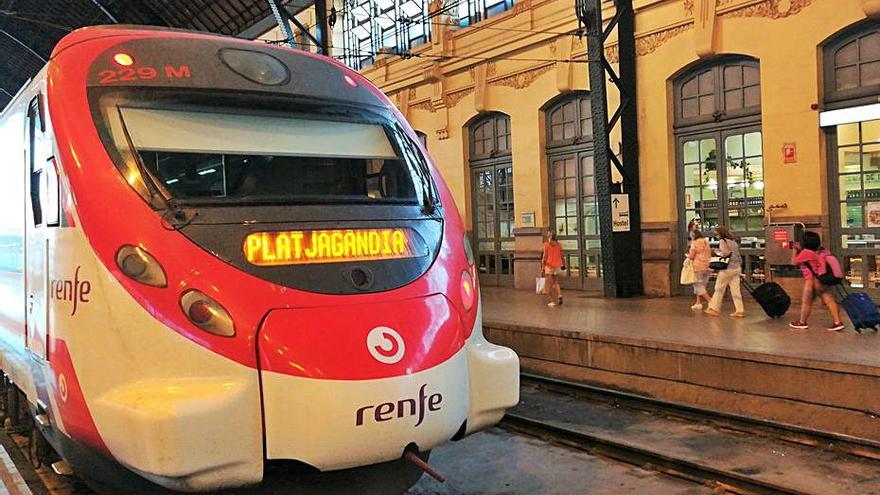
551,267
729,267
699,254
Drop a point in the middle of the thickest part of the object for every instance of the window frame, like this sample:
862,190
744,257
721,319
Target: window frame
833,98
406,32
721,115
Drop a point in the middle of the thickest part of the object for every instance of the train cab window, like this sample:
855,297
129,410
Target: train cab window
232,158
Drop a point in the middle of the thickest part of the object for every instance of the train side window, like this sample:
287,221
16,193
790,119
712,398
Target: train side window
35,166
49,194
44,188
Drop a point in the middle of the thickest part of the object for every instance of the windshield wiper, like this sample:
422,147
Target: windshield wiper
158,197
424,172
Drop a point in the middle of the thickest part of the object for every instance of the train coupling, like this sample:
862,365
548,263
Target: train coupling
413,458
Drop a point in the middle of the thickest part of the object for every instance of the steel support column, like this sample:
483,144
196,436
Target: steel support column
621,250
283,21
322,30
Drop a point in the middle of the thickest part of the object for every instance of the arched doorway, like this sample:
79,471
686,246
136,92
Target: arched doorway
851,69
574,212
491,166
720,153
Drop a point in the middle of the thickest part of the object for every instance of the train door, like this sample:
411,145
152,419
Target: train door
42,207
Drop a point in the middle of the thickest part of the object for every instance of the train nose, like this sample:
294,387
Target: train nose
366,380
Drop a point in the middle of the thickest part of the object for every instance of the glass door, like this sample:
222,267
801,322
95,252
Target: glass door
728,191
575,218
494,223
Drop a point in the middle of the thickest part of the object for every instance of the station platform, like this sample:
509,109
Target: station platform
659,348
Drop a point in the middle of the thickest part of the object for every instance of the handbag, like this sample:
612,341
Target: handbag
540,285
688,276
719,262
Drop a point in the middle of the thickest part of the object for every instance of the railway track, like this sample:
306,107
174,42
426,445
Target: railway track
724,477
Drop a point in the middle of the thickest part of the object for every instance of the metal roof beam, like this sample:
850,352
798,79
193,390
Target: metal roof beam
283,21
23,45
105,11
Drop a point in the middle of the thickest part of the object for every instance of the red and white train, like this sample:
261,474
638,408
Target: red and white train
216,255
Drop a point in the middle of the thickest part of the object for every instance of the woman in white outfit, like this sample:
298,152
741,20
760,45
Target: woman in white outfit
729,277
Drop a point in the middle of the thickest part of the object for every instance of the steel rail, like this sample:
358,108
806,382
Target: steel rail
859,447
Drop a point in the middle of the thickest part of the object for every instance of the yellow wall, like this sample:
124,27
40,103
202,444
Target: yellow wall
521,51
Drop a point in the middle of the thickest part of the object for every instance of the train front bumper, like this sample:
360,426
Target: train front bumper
200,434
337,424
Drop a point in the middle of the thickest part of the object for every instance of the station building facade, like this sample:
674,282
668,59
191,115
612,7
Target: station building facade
499,93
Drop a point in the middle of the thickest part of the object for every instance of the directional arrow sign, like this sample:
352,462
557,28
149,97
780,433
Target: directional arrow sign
620,212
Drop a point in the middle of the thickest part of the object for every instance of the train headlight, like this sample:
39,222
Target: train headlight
468,290
137,264
206,313
468,250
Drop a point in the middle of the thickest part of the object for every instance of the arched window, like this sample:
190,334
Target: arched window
720,153
718,92
574,213
852,79
492,189
852,64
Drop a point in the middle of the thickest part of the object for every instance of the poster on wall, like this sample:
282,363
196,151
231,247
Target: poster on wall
872,211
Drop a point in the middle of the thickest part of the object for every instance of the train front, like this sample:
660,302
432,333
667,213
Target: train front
277,271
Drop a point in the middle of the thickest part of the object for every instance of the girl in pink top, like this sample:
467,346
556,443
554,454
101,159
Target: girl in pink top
810,260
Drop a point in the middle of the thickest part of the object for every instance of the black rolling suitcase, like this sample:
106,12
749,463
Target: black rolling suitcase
772,298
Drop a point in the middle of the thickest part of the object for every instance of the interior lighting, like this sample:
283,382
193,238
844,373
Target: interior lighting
208,171
849,115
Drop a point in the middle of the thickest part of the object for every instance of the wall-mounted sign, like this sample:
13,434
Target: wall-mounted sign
789,153
527,219
620,212
780,235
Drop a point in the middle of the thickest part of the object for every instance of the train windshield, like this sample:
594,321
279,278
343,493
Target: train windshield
227,158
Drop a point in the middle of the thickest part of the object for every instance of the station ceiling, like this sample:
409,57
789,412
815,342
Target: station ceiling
29,29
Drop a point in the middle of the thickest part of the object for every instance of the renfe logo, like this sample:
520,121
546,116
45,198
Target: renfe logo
404,407
385,345
75,291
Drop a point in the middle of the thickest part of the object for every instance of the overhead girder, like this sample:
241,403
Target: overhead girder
31,28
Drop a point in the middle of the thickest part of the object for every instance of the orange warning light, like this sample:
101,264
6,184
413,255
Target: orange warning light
300,247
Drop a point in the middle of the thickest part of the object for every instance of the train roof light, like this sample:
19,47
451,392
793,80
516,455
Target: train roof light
123,59
255,66
350,80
